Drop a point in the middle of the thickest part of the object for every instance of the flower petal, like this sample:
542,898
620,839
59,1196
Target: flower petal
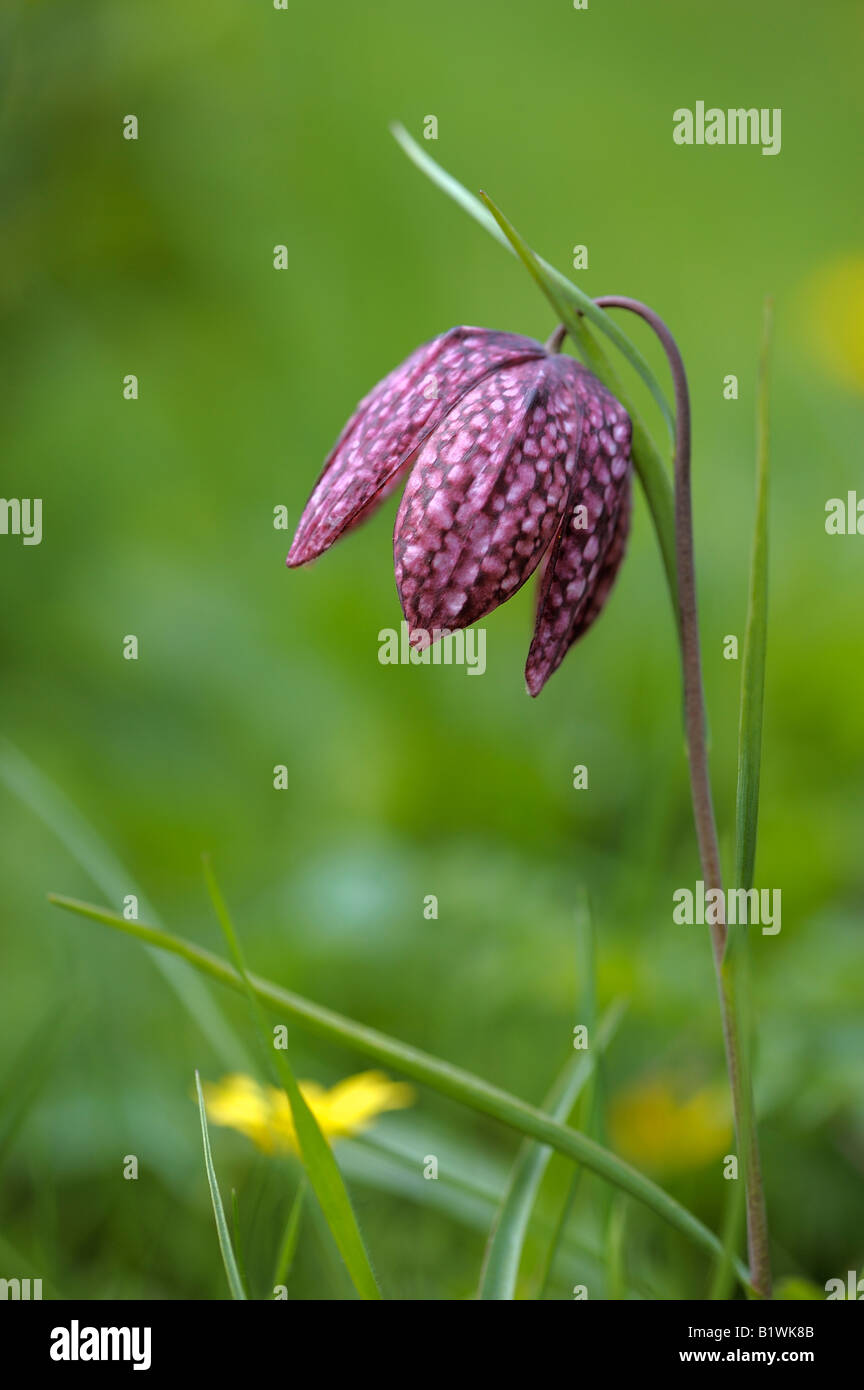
391,423
486,496
609,569
583,561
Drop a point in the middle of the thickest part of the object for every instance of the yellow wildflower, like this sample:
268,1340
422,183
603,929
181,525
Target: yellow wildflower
653,1126
835,317
263,1114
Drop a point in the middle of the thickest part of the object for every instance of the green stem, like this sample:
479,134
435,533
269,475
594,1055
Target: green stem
441,1076
703,803
288,1248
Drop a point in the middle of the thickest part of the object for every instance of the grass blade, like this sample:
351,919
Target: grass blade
591,1102
288,1248
238,1244
321,1167
753,664
504,1250
555,285
440,1076
616,1284
235,1283
736,964
468,1202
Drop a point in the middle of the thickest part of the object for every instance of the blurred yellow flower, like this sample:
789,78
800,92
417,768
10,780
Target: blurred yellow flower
263,1114
651,1125
835,315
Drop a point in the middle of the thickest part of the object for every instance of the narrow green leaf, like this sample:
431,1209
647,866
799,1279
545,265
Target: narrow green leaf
468,1202
235,1283
238,1244
441,1076
732,1233
591,1102
321,1167
753,664
555,285
616,1280
504,1250
736,963
288,1248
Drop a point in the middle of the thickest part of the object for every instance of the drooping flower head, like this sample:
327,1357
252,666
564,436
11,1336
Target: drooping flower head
515,454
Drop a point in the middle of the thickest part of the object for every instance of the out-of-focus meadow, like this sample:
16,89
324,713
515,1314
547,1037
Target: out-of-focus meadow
261,127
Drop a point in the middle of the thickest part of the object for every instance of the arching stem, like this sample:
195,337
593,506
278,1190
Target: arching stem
694,698
557,338
700,786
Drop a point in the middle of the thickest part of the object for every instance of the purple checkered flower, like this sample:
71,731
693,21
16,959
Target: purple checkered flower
515,455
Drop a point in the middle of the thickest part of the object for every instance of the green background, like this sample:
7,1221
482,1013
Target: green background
261,127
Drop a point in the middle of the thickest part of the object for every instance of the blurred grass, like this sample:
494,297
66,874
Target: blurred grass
226,1248
321,1168
259,128
507,1238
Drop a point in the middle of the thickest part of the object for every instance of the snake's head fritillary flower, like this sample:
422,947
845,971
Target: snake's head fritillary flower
515,454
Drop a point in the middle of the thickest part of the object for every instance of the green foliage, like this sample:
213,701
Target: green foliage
321,1167
229,1259
155,257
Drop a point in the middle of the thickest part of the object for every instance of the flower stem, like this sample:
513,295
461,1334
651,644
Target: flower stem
700,787
554,343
